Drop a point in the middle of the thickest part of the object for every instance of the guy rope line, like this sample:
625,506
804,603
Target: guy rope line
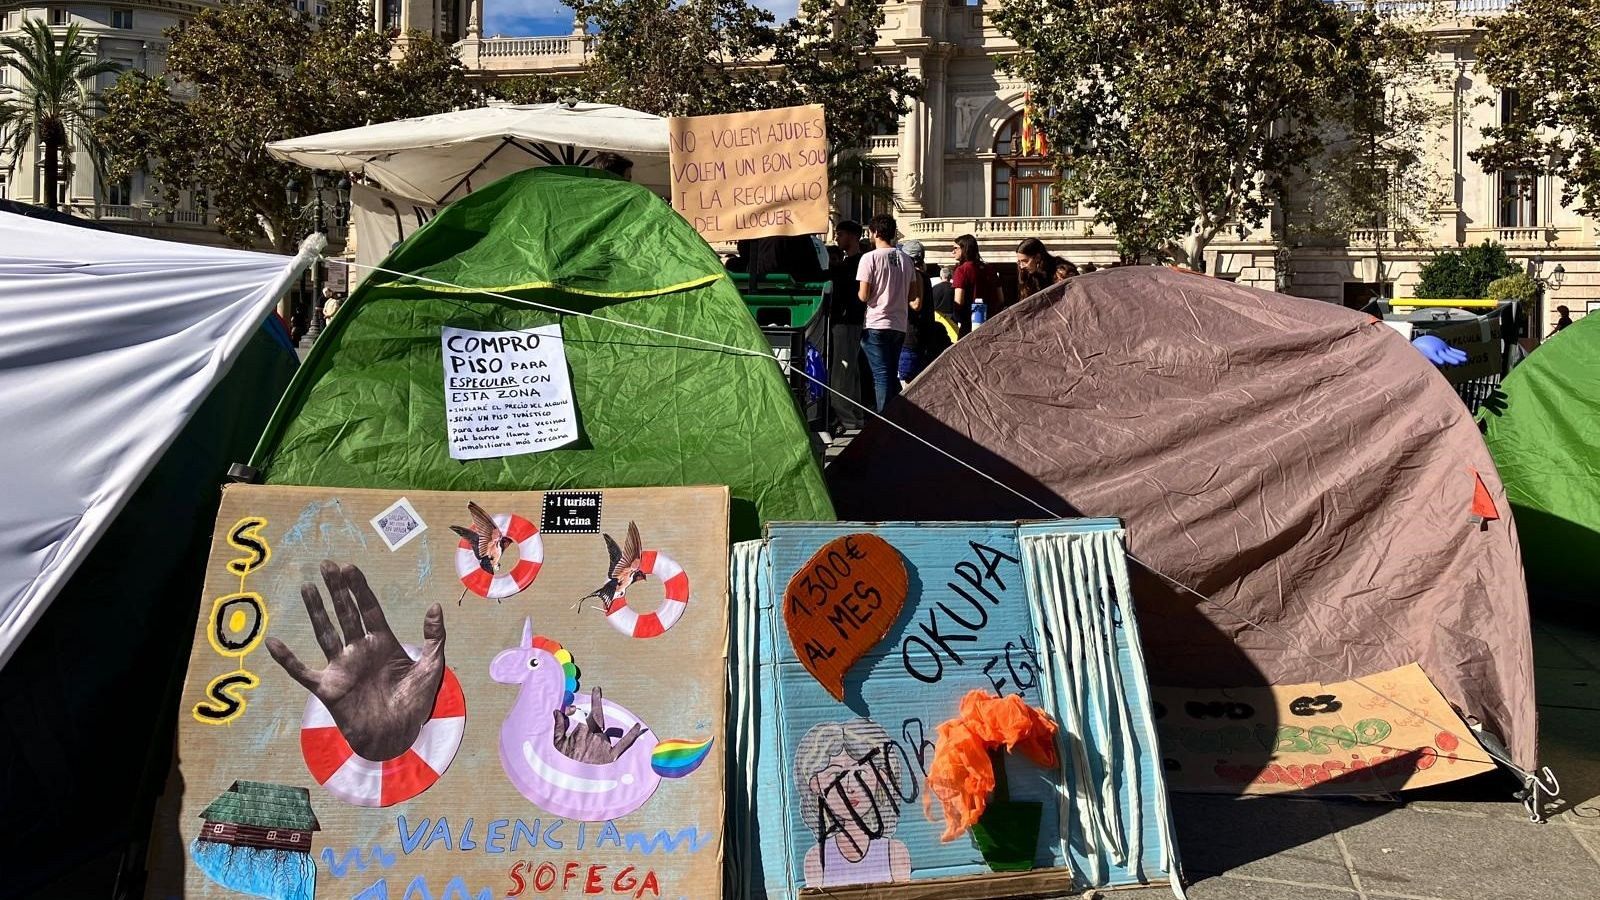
1529,779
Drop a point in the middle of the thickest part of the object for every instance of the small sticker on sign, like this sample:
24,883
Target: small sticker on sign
398,524
571,512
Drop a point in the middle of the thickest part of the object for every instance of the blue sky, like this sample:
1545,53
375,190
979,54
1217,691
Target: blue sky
530,18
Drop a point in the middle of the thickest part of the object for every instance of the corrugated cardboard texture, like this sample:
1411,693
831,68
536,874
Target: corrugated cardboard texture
1480,340
472,831
832,779
1381,733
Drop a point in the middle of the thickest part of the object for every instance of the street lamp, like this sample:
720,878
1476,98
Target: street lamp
314,210
1557,276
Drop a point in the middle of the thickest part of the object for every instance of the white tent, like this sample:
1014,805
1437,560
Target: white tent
436,159
108,344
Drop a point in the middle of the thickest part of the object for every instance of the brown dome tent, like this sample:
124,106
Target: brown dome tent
1297,463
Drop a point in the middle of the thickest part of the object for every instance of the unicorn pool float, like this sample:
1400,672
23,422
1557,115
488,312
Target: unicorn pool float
587,759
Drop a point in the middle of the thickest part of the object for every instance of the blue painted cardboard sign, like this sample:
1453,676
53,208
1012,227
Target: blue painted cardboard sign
835,793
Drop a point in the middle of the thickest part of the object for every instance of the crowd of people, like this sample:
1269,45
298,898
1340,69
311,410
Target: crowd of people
892,313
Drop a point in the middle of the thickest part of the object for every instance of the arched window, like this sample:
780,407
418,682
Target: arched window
1024,185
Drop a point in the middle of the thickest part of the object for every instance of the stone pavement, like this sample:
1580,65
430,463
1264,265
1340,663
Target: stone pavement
1468,841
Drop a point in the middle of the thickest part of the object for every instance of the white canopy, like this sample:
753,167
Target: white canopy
108,345
437,159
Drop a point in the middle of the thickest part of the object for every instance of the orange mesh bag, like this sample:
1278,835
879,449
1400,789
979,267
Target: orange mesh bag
962,774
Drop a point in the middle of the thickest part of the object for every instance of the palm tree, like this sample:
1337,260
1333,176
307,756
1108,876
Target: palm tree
52,106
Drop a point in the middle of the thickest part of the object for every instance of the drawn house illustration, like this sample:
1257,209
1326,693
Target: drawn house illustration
256,814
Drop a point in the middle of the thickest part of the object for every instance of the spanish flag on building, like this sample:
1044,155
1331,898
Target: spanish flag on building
1034,142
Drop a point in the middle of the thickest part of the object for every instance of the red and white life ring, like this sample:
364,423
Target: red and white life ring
363,782
674,581
530,550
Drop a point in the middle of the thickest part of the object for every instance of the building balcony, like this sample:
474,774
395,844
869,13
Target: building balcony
1046,228
140,214
1451,8
1373,237
527,46
881,146
510,55
1519,236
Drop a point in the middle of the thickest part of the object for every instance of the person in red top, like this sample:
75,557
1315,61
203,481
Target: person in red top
974,279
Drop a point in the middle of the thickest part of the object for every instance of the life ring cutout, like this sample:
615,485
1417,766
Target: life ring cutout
530,552
673,580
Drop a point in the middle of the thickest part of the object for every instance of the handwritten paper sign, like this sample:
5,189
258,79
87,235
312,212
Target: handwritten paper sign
1377,734
749,175
841,603
506,393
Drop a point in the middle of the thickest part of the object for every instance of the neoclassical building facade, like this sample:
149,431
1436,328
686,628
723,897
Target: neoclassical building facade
129,34
954,162
955,166
132,34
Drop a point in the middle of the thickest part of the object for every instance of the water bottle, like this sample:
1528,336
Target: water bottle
980,312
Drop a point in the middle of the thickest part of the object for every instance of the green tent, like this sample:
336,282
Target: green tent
1546,443
367,408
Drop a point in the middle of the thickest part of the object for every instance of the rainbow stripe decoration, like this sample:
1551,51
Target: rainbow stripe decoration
675,758
570,667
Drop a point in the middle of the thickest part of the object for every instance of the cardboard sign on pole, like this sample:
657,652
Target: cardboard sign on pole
429,695
750,175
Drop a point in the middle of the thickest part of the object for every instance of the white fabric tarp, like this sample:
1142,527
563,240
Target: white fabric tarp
108,345
441,158
381,220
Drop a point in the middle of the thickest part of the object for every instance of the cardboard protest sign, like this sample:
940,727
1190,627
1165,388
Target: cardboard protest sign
428,695
1386,732
841,603
750,175
506,392
835,791
1480,340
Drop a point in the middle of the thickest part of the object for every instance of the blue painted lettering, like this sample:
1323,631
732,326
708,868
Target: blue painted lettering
521,830
466,842
408,839
610,833
640,842
457,890
494,841
441,832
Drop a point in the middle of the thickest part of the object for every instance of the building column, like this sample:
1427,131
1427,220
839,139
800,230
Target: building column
909,185
938,118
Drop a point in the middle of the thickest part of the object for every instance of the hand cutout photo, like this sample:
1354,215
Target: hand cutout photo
378,696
